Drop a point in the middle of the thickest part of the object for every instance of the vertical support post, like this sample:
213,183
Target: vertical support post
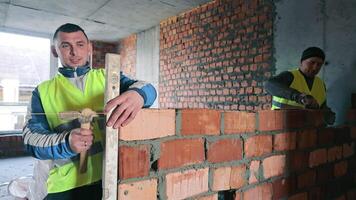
111,149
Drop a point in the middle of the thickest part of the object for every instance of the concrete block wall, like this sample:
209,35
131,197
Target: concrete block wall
210,154
217,56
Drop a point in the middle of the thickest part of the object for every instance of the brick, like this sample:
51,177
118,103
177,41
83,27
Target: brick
239,122
284,141
258,145
348,149
281,188
334,153
133,161
306,179
306,139
270,120
340,168
221,178
342,197
150,124
209,197
341,135
185,151
326,136
318,157
274,166
325,174
352,163
238,177
238,196
353,132
351,194
316,193
254,171
146,189
351,116
181,185
299,196
200,121
315,118
260,192
225,150
294,119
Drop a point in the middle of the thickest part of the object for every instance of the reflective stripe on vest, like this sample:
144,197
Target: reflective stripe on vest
58,95
299,83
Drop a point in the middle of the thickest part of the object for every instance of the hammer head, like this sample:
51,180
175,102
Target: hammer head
86,116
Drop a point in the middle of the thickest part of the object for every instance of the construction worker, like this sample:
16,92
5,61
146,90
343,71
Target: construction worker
75,87
301,88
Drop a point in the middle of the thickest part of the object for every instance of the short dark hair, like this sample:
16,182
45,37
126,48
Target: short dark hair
313,52
68,28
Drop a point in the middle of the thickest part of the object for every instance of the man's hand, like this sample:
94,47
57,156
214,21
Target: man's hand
308,101
80,139
126,107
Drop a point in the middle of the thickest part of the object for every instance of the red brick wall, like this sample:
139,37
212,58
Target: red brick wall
128,54
99,50
203,154
11,145
217,56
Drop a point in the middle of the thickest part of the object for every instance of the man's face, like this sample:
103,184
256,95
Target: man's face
311,66
73,49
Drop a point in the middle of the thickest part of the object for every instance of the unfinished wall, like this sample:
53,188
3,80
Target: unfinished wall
127,51
203,154
217,56
147,60
330,25
99,51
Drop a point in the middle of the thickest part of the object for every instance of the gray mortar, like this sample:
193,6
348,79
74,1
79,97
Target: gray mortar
222,124
162,188
178,122
155,153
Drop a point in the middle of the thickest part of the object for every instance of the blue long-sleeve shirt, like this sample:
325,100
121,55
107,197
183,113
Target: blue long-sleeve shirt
44,143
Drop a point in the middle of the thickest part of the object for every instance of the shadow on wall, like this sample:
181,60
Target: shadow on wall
340,90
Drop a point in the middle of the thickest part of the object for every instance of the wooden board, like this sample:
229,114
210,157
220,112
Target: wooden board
110,161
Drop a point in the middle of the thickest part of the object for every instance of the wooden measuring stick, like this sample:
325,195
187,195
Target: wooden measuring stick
110,161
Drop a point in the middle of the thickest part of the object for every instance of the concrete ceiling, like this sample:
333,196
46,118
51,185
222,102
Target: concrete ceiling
106,20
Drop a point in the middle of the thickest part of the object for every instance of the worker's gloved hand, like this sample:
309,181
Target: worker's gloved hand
80,139
308,101
329,117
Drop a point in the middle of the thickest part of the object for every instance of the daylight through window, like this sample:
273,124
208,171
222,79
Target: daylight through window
25,63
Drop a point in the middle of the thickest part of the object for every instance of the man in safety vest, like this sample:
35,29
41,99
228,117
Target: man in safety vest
75,87
301,88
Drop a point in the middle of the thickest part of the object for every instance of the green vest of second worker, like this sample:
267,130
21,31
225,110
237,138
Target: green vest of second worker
299,83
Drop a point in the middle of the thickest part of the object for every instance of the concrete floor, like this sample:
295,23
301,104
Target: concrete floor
12,168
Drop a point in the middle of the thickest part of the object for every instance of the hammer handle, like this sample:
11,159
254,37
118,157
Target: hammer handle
83,159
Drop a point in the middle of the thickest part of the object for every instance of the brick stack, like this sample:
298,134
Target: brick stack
217,56
206,154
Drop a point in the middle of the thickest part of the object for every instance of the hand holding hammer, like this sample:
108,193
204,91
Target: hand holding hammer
81,138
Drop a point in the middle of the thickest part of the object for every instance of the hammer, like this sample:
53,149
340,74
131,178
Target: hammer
84,117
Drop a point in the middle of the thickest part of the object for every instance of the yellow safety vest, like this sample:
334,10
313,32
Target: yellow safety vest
58,95
318,91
